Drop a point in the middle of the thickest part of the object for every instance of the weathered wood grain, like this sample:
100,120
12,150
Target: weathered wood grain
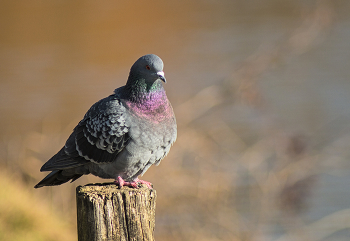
105,212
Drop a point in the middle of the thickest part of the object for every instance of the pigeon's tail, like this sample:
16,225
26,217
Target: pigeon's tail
57,177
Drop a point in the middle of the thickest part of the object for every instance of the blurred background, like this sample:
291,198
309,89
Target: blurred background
260,89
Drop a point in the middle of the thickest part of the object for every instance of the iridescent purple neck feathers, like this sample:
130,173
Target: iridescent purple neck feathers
154,106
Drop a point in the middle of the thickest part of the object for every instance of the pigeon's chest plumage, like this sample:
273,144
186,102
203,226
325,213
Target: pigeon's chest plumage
152,123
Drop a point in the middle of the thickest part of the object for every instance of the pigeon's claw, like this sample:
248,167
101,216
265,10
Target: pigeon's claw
120,181
148,184
135,184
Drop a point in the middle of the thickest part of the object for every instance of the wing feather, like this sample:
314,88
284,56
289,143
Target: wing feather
103,133
99,137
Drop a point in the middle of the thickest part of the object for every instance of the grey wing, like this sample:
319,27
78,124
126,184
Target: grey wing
102,134
99,137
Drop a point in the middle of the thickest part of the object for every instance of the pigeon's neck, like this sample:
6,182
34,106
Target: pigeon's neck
139,91
148,101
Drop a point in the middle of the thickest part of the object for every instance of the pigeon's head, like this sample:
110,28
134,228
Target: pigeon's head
149,68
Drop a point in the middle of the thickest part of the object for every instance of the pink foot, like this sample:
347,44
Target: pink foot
133,184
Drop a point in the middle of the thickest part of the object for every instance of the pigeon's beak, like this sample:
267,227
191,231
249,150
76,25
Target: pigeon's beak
161,76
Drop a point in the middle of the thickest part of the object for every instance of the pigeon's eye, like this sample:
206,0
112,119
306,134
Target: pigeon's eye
147,67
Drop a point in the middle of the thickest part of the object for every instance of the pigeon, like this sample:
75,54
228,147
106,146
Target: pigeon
122,135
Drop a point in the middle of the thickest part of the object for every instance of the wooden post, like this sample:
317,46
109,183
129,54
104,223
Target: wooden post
105,212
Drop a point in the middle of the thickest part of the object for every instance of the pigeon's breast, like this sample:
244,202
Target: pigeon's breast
152,128
154,108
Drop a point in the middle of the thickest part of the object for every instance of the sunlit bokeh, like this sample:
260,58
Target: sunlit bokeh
260,89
